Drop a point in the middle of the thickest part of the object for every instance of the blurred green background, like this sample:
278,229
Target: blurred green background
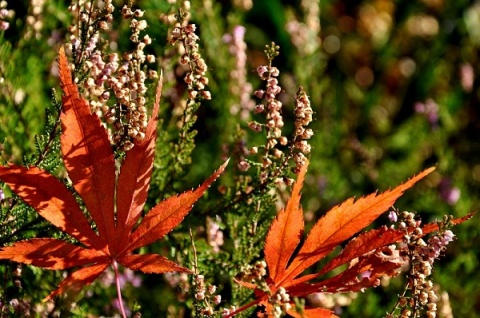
394,86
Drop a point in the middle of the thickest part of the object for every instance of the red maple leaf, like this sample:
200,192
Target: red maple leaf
115,204
367,253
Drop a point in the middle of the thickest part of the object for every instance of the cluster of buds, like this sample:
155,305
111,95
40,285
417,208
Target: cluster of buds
255,273
171,18
17,306
5,14
127,276
303,117
305,34
429,109
272,108
467,77
206,293
228,311
129,85
214,234
422,301
274,159
17,274
243,4
196,66
449,192
121,77
240,150
331,301
34,20
85,33
445,308
242,88
281,302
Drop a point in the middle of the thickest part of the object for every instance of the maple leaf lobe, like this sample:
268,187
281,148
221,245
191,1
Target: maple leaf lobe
90,164
337,225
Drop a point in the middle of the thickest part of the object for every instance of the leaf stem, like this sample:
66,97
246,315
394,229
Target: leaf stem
119,290
244,307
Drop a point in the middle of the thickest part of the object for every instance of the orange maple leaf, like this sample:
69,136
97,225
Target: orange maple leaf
366,253
115,204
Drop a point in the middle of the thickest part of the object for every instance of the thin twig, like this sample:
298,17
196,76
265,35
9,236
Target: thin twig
195,259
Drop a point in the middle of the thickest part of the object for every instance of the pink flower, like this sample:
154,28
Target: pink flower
392,216
262,69
4,25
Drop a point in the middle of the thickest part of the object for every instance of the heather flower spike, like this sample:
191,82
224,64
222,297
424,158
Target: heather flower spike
90,163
